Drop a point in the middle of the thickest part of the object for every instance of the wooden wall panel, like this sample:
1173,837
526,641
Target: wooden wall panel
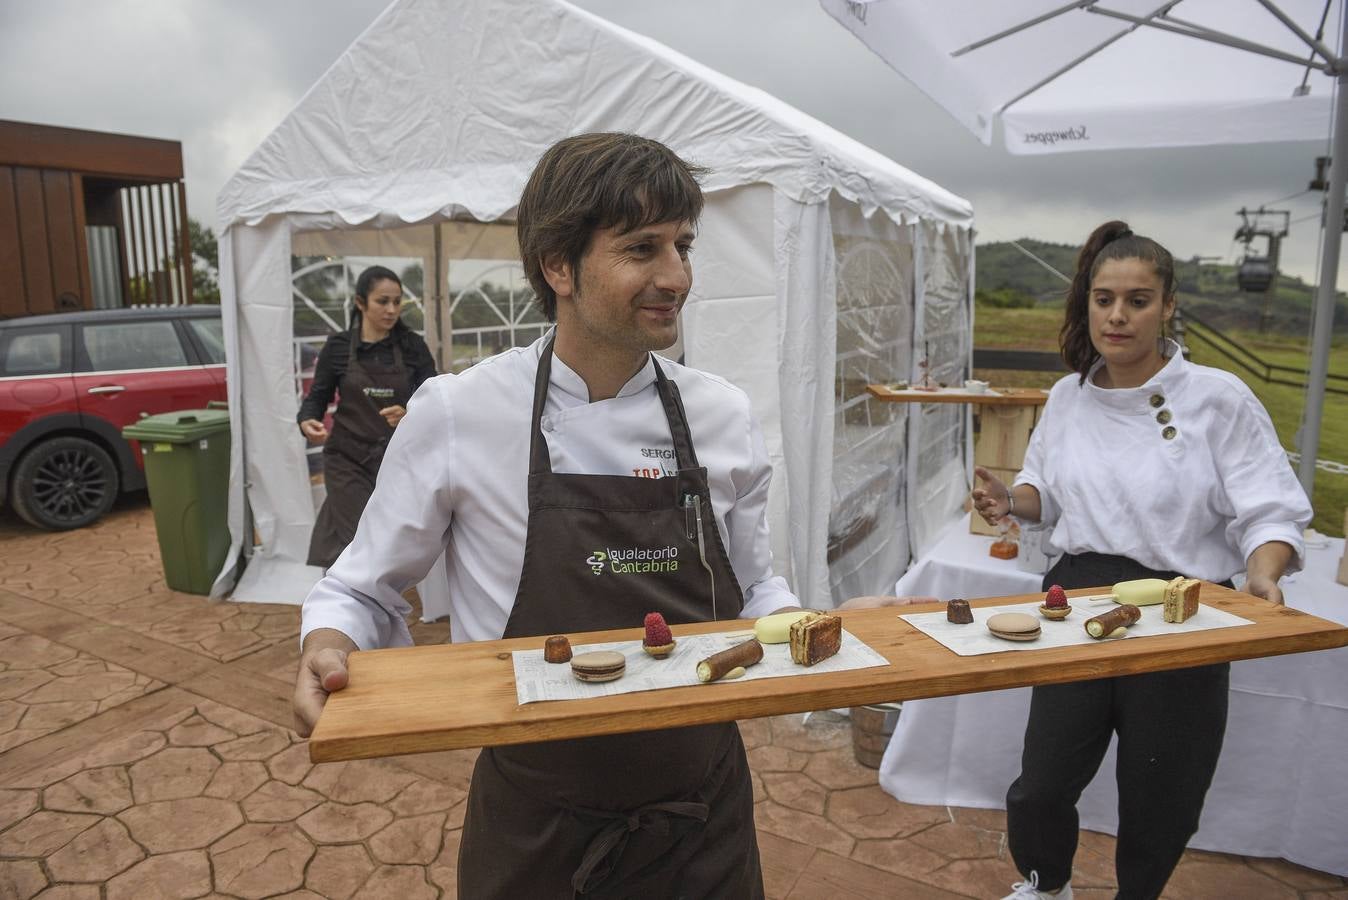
65,261
81,241
33,241
93,152
11,259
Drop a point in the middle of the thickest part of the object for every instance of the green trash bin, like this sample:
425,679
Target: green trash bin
187,470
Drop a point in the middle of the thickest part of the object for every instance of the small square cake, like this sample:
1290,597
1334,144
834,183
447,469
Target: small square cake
815,636
1181,599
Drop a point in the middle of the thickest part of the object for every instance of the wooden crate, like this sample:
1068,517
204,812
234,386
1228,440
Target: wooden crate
1003,434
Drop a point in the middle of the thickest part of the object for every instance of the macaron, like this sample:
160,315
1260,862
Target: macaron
599,665
1014,626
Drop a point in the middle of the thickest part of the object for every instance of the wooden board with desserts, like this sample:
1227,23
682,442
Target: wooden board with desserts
421,699
901,392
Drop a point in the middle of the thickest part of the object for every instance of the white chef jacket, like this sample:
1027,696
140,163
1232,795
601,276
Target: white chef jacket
455,479
1198,502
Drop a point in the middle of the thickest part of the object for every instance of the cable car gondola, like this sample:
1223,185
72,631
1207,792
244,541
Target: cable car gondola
1255,274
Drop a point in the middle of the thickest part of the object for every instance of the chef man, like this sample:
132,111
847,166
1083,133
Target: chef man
526,468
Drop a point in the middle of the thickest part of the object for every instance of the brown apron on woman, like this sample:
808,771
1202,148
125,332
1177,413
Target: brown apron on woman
354,450
655,814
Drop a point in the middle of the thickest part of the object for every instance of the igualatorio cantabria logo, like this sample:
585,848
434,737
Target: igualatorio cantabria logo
634,560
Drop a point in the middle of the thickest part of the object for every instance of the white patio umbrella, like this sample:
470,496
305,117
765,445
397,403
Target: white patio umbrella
1093,75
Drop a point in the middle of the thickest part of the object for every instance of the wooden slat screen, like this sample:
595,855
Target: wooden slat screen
11,258
158,260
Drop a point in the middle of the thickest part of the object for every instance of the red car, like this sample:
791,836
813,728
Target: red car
70,382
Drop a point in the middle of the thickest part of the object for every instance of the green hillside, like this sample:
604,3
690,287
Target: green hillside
1001,267
1006,277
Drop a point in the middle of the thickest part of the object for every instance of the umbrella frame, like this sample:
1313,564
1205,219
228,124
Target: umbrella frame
1332,227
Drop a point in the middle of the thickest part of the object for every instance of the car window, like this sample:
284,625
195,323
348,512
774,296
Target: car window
33,351
210,334
113,346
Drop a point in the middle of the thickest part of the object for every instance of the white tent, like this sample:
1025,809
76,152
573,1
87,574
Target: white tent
820,265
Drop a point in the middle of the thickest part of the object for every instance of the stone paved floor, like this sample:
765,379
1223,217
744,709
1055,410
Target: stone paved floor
145,752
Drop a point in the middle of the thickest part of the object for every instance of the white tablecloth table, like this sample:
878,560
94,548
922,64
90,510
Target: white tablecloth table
1281,787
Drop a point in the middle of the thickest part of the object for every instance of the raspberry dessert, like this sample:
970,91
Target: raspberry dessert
658,641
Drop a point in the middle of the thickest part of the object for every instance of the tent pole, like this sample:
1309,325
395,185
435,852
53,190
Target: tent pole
437,300
1323,320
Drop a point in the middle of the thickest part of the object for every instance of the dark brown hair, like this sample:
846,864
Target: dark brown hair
592,181
1112,240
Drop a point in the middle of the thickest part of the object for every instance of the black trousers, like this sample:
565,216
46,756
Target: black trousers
1170,727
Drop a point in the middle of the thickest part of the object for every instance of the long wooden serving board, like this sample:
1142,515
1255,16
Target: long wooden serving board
1000,396
420,699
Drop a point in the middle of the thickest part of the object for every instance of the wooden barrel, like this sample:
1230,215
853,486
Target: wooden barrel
871,730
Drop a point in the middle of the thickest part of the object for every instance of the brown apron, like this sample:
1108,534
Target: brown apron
354,450
655,814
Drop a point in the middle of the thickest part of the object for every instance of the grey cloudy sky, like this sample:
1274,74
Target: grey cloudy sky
218,75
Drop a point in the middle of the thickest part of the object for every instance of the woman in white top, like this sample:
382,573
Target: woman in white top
1143,465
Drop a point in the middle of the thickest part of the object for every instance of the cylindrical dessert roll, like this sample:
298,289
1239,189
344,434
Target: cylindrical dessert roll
1120,616
1140,591
718,665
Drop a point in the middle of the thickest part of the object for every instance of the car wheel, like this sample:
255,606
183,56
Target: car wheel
63,483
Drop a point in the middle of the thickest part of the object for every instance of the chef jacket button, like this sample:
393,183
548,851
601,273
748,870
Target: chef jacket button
546,423
1169,432
1163,417
1156,400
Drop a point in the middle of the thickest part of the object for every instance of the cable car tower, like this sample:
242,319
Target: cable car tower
1258,273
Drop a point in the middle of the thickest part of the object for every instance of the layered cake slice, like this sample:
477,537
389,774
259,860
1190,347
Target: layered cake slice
815,636
1181,599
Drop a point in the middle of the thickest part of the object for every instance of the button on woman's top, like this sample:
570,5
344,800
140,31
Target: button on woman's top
1184,472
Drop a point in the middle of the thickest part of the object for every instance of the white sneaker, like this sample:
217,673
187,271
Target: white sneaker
1029,890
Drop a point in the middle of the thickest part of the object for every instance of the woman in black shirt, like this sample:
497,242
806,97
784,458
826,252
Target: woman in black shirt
374,369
